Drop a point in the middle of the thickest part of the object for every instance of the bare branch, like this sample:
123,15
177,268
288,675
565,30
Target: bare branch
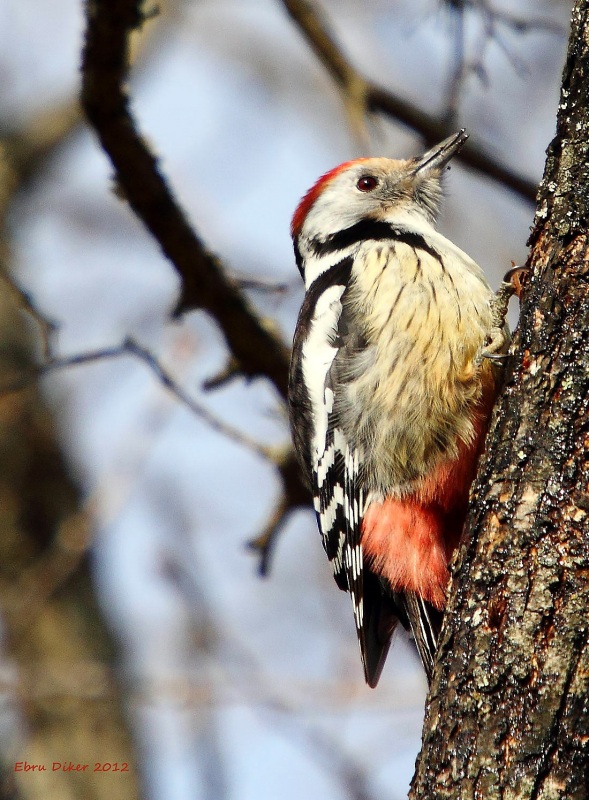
374,98
254,341
259,285
457,71
24,153
509,19
130,347
255,344
293,494
491,19
224,376
263,544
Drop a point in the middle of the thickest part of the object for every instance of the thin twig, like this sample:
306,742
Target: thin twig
457,72
293,494
130,347
491,19
353,84
134,348
260,285
510,20
224,376
47,327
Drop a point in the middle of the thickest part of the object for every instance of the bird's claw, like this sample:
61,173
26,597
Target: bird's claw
495,356
517,278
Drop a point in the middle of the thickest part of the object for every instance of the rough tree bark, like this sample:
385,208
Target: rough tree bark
507,714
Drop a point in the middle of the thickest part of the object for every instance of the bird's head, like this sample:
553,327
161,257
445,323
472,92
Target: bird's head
378,189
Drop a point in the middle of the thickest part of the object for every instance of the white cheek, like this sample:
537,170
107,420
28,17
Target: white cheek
337,211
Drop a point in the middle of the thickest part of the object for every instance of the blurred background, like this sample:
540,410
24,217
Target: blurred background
135,626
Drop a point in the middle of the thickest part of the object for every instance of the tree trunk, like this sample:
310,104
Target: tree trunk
508,710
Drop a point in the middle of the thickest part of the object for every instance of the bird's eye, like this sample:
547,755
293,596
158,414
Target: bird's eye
367,183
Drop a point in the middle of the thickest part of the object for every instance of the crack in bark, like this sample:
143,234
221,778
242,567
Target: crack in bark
553,738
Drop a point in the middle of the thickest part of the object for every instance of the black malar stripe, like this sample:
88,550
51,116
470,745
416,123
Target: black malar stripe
372,230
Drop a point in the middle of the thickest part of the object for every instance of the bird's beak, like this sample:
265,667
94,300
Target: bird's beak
438,156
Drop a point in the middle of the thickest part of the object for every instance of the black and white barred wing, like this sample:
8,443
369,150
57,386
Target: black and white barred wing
375,612
339,503
320,345
318,442
329,498
327,445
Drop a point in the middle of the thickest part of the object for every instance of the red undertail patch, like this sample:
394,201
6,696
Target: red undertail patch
410,540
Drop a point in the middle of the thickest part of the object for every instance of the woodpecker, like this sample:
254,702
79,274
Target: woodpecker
390,390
